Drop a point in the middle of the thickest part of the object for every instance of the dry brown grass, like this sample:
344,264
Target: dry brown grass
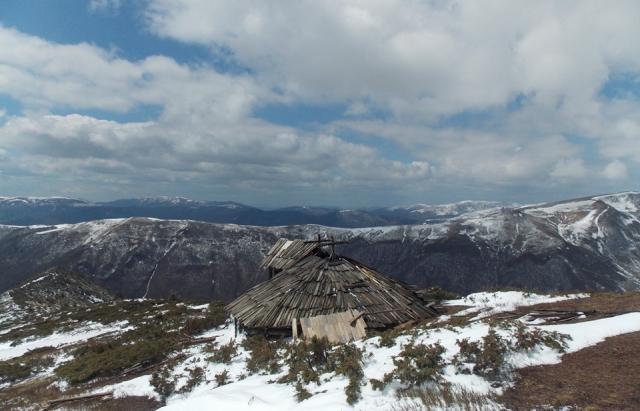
33,393
602,377
605,304
449,397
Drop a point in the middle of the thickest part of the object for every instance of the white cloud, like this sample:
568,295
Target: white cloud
462,156
416,57
249,154
569,168
205,133
44,75
357,108
108,6
423,61
615,170
417,62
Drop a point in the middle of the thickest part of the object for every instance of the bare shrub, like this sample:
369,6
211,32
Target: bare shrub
445,396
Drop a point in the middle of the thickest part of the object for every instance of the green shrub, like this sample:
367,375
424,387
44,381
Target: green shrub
301,392
142,346
196,376
264,355
379,385
388,338
491,361
527,339
308,359
419,363
23,367
225,353
300,366
11,371
487,356
163,382
222,378
415,365
347,360
319,349
215,317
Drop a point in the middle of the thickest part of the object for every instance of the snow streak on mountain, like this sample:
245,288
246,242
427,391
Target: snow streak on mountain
588,243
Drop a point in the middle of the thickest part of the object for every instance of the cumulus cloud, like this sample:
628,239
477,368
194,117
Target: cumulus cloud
500,94
46,75
233,155
615,170
424,57
205,132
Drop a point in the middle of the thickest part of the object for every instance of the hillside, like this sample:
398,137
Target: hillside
585,244
487,351
47,293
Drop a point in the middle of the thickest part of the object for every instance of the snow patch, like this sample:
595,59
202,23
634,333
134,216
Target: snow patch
491,303
583,335
60,339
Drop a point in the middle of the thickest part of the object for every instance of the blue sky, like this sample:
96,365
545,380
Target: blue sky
345,103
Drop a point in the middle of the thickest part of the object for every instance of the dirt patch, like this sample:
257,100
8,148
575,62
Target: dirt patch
605,304
602,377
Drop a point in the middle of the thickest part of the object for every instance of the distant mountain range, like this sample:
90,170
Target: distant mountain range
584,244
59,210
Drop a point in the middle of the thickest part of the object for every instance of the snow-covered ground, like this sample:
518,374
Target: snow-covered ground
247,391
60,339
487,304
260,392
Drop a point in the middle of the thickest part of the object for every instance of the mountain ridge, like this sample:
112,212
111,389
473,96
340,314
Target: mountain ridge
575,244
63,210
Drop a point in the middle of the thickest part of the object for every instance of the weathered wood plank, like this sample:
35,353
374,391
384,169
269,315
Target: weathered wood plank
336,327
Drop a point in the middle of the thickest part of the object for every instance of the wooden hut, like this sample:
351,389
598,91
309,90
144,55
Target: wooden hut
321,283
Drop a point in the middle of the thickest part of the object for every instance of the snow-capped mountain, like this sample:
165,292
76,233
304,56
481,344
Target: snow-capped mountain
39,200
171,202
59,210
440,211
589,243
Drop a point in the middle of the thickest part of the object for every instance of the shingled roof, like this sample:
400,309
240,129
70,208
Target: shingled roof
326,284
286,253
